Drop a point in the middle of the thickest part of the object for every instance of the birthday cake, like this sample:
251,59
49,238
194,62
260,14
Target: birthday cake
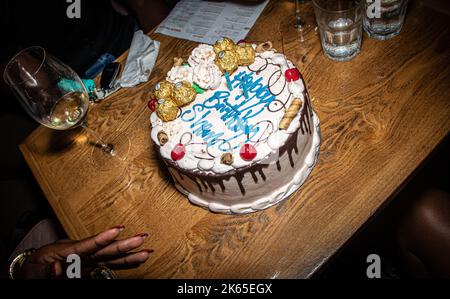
235,127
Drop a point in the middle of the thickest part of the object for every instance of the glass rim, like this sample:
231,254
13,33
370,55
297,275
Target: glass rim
8,65
336,11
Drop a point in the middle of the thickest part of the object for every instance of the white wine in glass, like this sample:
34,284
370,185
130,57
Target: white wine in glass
54,95
69,111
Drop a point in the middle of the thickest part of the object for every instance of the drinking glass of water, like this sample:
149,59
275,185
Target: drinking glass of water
340,25
383,19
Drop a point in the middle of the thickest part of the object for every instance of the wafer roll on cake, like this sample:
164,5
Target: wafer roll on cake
290,113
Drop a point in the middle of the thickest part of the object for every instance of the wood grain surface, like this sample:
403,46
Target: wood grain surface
381,115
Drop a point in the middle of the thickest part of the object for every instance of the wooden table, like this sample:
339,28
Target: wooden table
381,115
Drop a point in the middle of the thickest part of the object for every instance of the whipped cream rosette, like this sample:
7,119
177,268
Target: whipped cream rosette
207,76
203,54
179,74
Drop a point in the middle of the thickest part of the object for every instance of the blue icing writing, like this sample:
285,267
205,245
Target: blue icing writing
203,129
236,113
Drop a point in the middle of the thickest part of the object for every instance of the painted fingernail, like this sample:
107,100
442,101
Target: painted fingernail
119,227
53,269
143,236
148,250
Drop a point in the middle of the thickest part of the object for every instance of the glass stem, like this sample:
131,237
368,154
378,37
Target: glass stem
298,17
106,147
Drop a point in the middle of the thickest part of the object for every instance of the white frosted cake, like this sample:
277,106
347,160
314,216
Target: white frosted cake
235,127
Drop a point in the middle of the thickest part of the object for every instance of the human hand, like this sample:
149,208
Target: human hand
103,249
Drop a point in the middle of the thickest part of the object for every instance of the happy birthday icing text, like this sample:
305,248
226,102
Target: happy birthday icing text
236,113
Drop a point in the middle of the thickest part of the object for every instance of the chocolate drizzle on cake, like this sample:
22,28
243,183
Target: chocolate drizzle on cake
211,186
204,180
306,115
196,182
263,176
255,178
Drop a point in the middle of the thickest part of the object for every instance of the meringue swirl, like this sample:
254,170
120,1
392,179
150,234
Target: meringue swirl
203,54
179,74
207,76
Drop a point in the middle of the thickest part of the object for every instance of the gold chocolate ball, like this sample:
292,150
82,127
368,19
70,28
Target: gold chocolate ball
246,54
167,110
227,61
224,44
164,90
183,93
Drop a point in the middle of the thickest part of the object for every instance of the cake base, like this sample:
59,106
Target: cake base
275,197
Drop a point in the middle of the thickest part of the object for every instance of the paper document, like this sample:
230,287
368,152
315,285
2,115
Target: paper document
206,21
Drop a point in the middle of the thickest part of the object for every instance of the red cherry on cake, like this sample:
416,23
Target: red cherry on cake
248,152
178,152
292,74
152,104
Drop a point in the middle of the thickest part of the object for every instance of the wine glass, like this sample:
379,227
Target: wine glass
54,95
298,30
301,25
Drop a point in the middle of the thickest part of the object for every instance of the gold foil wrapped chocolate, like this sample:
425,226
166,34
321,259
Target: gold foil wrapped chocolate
227,61
246,54
164,90
224,44
167,110
183,93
